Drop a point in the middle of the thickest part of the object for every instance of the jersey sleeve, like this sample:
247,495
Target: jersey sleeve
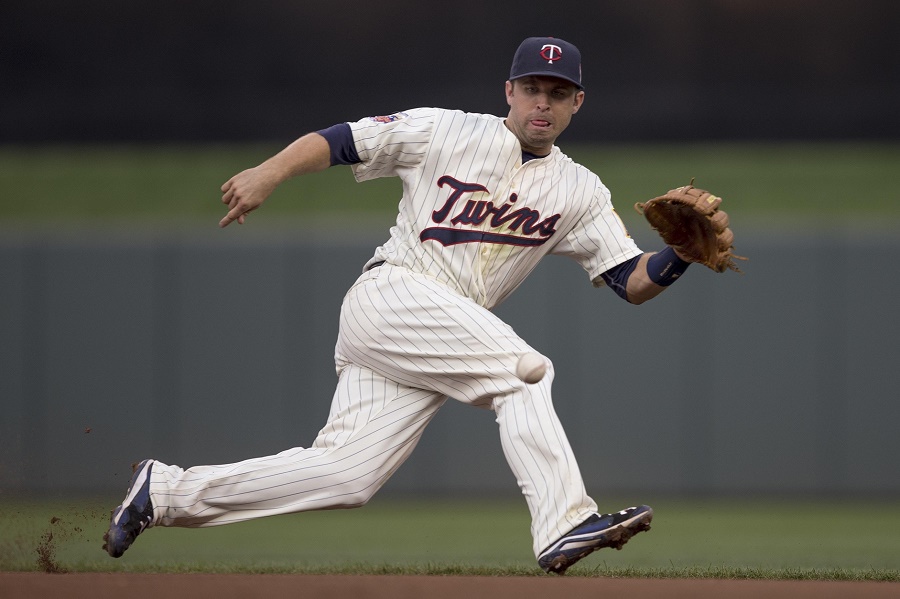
340,144
599,240
388,144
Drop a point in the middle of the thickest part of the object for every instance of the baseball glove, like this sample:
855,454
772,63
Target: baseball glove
689,220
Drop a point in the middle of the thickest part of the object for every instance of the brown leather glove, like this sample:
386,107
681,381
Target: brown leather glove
689,220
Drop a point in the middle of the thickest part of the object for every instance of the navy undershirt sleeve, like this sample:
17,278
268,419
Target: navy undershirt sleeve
340,140
663,268
617,276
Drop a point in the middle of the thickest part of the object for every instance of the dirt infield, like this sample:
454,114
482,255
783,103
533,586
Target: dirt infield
27,585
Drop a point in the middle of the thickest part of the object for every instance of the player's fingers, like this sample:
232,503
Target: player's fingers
238,212
232,216
226,221
227,185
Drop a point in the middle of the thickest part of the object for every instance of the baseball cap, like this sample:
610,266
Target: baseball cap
549,56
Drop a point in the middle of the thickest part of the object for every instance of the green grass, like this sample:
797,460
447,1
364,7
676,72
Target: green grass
177,184
689,539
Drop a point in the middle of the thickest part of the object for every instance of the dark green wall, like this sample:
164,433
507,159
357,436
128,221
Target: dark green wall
196,349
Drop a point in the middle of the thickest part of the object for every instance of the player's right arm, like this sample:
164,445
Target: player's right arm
247,190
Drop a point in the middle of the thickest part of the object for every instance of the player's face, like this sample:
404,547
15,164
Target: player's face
540,108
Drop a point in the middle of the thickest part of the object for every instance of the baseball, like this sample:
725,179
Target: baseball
531,368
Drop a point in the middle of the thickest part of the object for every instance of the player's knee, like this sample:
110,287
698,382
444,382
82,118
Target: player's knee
521,392
358,497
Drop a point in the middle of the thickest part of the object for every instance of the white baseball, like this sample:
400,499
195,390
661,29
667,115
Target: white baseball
531,368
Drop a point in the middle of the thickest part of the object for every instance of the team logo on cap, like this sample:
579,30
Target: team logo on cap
551,53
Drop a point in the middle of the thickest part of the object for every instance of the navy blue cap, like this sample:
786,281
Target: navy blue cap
548,56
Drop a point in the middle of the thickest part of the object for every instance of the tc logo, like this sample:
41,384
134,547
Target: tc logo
551,52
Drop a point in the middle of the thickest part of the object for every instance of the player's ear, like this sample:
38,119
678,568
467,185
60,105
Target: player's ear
579,100
509,92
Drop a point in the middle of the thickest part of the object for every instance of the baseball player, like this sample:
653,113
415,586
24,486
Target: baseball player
485,198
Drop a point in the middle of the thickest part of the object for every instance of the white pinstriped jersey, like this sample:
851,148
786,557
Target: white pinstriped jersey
472,215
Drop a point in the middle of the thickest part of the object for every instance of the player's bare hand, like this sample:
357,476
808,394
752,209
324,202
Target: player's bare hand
245,192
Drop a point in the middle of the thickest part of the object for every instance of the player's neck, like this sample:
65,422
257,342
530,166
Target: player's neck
535,151
526,156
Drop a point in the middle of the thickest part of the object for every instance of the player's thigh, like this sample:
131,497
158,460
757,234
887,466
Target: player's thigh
371,410
413,330
362,395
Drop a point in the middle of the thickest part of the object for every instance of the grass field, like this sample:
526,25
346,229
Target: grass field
140,184
690,538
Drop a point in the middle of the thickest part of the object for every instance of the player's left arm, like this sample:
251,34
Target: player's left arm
645,276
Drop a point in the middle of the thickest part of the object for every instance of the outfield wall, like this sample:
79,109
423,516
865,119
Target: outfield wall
211,349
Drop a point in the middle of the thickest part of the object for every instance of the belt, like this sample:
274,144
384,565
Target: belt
374,265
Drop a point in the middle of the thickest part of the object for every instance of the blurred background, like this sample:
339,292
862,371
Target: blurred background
131,327
203,70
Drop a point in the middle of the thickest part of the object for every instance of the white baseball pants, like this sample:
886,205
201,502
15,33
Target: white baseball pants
405,344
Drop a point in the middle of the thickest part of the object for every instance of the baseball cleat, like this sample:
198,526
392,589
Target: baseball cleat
597,532
133,515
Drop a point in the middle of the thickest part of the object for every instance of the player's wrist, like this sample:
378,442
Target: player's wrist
664,267
679,255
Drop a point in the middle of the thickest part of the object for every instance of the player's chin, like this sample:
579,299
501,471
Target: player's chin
541,135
